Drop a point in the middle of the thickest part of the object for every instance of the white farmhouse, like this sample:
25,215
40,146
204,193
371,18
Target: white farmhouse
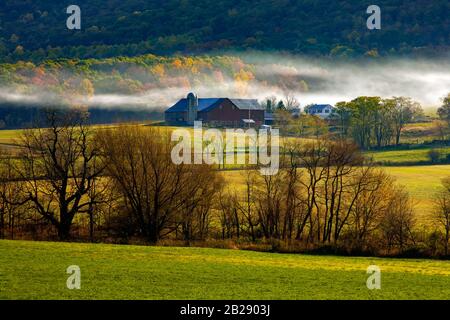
321,110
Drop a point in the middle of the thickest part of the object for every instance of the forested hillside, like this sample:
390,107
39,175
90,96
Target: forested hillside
142,86
31,29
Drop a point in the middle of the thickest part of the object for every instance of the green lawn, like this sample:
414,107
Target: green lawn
405,157
8,136
37,270
422,183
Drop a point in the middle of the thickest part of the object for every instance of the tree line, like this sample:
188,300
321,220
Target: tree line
71,181
375,122
371,122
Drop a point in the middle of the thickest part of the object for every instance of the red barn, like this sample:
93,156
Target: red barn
223,112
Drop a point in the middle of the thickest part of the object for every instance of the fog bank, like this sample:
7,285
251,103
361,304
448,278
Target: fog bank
308,80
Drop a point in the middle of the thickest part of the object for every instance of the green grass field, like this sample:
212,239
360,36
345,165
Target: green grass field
8,136
405,157
37,270
422,183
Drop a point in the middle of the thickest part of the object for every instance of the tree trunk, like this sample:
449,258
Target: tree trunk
238,227
153,234
91,225
447,236
11,226
64,231
2,224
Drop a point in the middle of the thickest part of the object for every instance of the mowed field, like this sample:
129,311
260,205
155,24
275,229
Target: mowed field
405,157
422,183
37,270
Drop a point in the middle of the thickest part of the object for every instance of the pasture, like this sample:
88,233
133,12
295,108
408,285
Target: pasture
405,157
422,182
37,270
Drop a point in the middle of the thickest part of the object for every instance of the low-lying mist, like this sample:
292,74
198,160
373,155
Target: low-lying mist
426,81
308,80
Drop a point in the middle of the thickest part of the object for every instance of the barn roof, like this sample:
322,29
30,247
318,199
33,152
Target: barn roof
247,104
205,104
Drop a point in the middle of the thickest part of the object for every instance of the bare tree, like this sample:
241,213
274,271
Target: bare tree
370,207
11,198
155,190
398,221
246,204
269,203
291,101
100,198
57,164
312,156
228,217
195,213
442,212
341,163
293,203
271,103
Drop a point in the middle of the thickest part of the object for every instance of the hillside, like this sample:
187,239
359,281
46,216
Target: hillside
120,88
37,270
37,29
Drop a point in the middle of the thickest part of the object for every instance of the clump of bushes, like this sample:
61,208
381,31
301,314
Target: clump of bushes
434,156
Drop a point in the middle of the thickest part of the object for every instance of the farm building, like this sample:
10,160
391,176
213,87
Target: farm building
321,110
269,118
224,112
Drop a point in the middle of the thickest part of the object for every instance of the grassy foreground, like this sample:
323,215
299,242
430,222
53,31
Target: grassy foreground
37,270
